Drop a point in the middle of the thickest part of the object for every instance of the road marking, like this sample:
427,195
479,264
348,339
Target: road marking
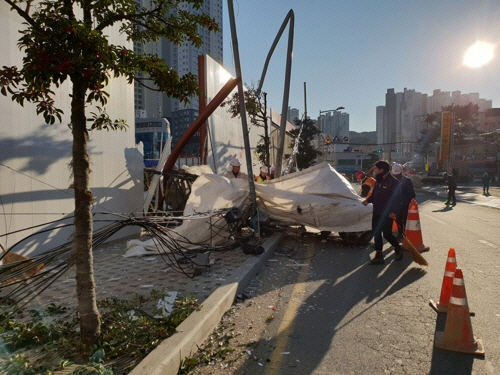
296,299
436,220
489,244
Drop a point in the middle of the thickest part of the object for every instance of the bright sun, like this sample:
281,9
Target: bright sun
478,55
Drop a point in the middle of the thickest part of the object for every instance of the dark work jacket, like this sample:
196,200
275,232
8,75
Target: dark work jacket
407,192
386,197
450,181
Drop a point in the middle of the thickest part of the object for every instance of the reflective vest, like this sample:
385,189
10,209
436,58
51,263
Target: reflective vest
369,181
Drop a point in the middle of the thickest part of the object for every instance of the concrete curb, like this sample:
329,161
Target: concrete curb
167,357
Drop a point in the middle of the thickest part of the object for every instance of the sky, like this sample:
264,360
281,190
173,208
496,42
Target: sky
349,52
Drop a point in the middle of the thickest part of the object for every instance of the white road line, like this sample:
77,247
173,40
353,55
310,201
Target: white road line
489,244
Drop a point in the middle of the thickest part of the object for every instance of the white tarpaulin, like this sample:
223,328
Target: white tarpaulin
317,197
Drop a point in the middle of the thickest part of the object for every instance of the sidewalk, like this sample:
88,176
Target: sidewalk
468,193
215,289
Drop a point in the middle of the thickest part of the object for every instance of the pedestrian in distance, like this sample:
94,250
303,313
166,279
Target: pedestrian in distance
263,175
486,183
367,184
235,172
386,200
407,194
451,187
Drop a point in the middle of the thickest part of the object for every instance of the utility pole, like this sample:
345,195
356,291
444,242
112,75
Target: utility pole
266,131
243,113
305,102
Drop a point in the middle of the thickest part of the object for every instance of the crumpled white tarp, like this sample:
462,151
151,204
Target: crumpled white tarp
317,197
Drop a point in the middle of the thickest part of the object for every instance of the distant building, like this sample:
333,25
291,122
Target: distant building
334,126
292,114
401,122
184,59
153,133
490,121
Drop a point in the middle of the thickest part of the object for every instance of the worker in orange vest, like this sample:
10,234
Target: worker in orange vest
367,184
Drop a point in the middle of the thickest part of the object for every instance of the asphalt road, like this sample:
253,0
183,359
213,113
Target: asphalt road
335,314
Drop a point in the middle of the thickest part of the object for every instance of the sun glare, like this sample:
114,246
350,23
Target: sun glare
478,55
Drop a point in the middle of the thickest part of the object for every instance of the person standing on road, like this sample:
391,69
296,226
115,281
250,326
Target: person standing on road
386,200
367,184
452,186
234,172
486,183
407,194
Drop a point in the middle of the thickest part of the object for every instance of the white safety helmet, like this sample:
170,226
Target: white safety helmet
397,168
235,163
264,169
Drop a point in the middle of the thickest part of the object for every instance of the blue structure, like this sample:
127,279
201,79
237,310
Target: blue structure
153,133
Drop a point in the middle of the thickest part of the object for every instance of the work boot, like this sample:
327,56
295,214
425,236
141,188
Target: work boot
399,252
378,259
447,202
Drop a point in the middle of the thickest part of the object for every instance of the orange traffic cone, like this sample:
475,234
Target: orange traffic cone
413,231
395,229
449,272
457,335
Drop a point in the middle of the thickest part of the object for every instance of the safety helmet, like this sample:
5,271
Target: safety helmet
397,168
360,175
264,169
235,163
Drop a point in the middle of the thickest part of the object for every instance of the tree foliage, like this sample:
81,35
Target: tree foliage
256,108
69,40
465,124
307,152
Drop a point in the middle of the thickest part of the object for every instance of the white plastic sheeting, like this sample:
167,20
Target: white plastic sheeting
317,197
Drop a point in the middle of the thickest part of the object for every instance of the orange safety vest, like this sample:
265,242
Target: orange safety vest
370,181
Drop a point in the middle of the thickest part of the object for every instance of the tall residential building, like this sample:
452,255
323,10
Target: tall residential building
404,118
184,59
293,113
334,126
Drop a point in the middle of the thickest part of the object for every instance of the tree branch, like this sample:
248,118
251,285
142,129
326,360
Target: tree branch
23,13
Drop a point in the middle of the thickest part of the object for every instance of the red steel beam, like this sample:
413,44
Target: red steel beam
200,120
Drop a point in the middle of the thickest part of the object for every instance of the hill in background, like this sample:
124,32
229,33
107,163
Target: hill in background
363,138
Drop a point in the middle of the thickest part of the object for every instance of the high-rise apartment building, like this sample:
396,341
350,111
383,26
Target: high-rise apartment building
184,59
293,113
334,127
401,121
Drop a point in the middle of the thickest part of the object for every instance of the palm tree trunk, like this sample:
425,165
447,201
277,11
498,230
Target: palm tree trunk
90,324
